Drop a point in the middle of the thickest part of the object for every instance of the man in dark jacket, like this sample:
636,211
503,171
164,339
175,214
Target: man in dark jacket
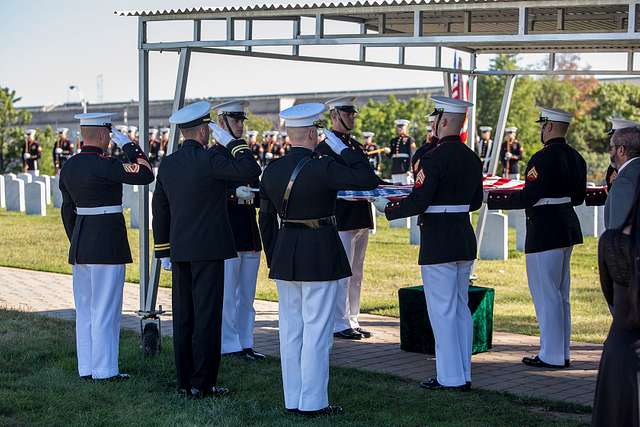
91,187
305,255
191,226
555,181
448,185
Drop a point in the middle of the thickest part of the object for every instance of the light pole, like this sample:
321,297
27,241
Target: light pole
83,100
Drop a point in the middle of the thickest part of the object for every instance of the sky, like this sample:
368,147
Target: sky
48,46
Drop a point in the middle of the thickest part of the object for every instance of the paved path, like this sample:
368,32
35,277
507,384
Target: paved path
500,369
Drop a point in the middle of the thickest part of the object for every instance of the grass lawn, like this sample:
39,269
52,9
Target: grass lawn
39,243
39,386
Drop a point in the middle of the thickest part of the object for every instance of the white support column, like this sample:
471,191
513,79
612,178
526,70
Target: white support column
319,25
143,126
362,51
295,49
473,94
632,18
446,80
197,30
417,23
231,29
248,33
495,149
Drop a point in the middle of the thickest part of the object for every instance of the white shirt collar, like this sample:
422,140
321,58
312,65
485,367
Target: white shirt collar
626,163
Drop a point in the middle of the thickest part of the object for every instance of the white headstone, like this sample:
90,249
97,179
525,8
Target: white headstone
136,214
35,198
518,221
414,231
47,182
495,242
399,223
600,214
129,196
26,177
14,188
56,194
3,195
588,220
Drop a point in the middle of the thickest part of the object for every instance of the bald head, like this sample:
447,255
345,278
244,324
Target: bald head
552,130
305,137
198,133
450,124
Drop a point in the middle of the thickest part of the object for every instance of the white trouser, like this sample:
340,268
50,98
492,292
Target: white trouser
238,314
446,289
97,292
549,276
348,294
306,325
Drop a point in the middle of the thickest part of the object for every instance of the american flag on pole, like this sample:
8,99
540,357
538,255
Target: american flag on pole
460,90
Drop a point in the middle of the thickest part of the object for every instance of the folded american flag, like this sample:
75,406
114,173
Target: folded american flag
490,182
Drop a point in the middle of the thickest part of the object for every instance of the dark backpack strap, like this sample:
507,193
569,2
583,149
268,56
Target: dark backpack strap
287,192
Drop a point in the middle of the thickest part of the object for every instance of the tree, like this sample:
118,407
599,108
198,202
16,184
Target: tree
257,123
12,121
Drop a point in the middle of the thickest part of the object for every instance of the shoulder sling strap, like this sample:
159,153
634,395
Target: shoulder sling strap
287,192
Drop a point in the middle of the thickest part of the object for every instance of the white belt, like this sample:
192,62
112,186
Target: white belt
553,201
447,209
100,210
401,155
245,201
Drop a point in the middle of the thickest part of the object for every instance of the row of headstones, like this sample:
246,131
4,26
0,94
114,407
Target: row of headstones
29,193
495,241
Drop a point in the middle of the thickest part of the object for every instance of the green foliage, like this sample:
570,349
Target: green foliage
11,131
379,117
257,123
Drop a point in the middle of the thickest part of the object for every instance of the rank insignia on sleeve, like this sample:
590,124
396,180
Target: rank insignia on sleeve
131,168
532,175
144,163
416,165
420,177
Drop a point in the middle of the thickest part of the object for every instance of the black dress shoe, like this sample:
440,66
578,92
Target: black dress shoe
348,334
86,377
567,363
196,393
364,332
234,354
537,363
115,378
328,411
433,384
253,355
295,411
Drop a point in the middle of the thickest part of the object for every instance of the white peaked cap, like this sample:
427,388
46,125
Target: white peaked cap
231,107
30,132
619,123
429,128
165,130
192,114
554,115
368,134
133,129
62,130
450,105
94,119
511,129
122,128
343,101
486,128
402,122
153,130
252,133
302,115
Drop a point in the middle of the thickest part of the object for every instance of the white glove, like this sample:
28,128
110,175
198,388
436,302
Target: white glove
160,152
380,203
166,263
334,142
387,150
244,193
220,135
58,150
508,155
268,156
119,138
27,156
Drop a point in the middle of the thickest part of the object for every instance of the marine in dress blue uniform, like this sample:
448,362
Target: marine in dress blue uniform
448,186
555,182
91,187
304,253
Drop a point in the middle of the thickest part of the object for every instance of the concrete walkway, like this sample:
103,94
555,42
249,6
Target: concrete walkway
500,369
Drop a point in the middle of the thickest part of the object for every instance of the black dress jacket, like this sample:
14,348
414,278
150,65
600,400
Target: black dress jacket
190,217
92,179
300,253
556,171
449,174
350,215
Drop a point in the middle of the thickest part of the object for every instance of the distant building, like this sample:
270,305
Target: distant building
267,106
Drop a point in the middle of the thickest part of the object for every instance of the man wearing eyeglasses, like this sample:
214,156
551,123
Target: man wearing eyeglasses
624,151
